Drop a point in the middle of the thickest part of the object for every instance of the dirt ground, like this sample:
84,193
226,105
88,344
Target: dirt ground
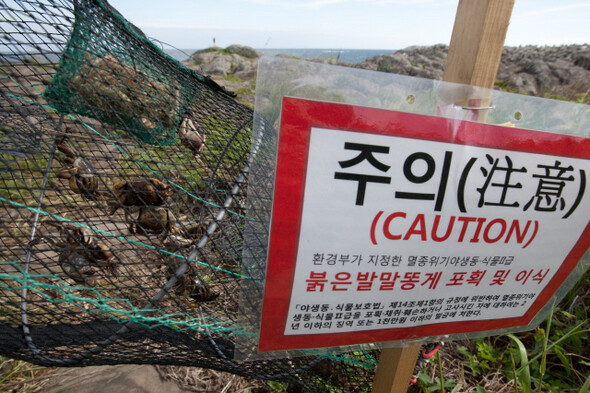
127,378
131,378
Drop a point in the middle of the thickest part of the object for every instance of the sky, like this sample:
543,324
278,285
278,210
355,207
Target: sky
342,24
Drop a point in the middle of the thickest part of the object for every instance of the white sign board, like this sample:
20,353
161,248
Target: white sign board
389,225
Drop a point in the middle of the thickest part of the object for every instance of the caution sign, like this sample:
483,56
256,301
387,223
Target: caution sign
389,225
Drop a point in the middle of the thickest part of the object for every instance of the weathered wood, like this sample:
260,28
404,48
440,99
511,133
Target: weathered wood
395,369
473,59
477,42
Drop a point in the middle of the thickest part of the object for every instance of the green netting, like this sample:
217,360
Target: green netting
109,71
123,178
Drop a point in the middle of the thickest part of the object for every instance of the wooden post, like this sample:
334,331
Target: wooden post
473,59
477,42
395,369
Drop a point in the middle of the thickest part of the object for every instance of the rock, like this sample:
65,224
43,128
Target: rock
583,60
551,70
235,59
234,68
555,70
124,378
244,51
218,65
422,61
540,71
244,67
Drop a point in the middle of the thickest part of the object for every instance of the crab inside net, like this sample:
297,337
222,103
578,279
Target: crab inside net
123,178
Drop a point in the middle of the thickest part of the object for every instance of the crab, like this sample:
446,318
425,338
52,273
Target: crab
151,219
77,267
174,242
192,136
78,171
77,243
140,193
186,233
189,284
124,92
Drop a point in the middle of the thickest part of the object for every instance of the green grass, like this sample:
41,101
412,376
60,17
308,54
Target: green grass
505,86
232,78
554,357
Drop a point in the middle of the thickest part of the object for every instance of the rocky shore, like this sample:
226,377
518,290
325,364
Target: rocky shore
550,71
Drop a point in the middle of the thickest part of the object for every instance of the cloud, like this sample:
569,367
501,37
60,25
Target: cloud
558,8
315,4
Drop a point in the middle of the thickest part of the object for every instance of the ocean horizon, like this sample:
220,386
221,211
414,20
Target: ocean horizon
340,55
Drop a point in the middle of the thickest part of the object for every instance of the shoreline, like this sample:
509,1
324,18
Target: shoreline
558,72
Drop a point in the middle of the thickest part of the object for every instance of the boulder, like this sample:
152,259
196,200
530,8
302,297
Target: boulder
562,71
550,70
244,51
235,59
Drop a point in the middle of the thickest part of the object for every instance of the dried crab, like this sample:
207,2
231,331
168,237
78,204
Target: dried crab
150,219
143,201
141,192
77,267
80,253
185,234
77,170
192,136
84,240
125,92
189,284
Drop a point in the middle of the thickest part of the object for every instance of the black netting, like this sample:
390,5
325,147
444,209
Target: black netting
123,178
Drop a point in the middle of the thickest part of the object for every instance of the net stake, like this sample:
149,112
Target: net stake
473,59
395,369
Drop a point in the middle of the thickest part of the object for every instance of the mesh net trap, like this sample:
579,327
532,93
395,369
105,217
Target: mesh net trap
123,178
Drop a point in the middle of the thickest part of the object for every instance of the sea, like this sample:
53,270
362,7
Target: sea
340,55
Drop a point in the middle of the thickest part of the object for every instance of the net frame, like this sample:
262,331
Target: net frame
123,239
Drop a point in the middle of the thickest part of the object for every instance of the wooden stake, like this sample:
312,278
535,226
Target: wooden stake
395,369
477,42
474,57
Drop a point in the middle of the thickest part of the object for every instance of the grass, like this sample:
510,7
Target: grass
505,86
554,357
22,377
580,98
232,78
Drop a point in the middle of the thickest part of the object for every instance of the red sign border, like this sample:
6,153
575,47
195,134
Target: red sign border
298,116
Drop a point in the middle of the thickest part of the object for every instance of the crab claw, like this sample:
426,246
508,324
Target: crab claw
61,146
66,173
191,135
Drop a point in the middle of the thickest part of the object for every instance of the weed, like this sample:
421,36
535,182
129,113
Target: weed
22,377
553,357
505,86
277,386
232,78
244,90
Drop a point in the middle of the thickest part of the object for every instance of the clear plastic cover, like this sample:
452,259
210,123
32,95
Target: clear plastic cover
281,77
